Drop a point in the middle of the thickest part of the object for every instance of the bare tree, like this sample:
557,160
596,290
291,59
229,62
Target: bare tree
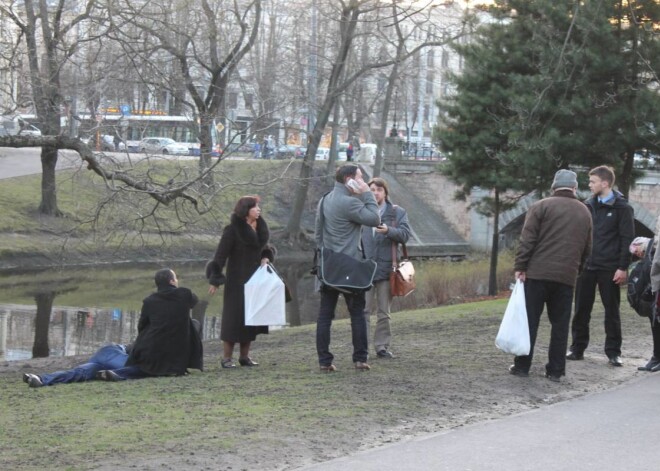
206,39
350,16
47,34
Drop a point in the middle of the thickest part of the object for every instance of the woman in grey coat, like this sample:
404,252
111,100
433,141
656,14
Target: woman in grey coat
377,242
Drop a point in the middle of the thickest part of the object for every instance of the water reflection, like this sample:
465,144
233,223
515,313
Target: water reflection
51,321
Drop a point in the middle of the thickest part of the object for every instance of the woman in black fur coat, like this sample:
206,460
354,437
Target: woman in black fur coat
243,248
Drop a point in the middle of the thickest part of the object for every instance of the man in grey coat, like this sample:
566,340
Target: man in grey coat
378,242
339,220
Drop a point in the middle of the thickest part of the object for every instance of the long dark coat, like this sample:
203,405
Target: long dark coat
167,343
241,248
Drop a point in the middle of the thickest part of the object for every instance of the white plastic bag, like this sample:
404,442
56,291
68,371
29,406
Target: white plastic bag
513,336
264,298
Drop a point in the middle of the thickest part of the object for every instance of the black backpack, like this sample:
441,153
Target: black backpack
639,293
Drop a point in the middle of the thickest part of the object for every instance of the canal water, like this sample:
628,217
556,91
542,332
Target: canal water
74,311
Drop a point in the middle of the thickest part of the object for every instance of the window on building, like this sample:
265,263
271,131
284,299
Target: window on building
232,100
249,100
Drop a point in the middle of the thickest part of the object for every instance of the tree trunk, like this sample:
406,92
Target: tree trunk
48,205
495,248
40,348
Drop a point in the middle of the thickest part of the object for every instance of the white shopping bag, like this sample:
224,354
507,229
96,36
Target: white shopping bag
264,298
513,336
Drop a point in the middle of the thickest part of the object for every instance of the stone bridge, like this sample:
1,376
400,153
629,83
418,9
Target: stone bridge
423,191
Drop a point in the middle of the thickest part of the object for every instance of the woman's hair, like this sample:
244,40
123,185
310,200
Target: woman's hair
245,204
379,182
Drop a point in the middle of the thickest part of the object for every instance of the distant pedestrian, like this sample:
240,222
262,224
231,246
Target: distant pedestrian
349,153
256,150
116,141
554,246
606,269
378,242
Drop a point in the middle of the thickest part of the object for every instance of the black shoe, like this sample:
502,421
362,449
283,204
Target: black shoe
518,372
108,375
384,354
227,363
615,360
652,363
575,356
553,377
247,362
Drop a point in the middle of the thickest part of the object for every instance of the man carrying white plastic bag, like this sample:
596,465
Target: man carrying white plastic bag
554,245
265,298
513,336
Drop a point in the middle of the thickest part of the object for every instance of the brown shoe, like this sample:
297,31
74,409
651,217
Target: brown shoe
362,366
328,368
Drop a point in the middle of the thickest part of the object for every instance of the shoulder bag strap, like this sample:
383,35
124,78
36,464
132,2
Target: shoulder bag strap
395,261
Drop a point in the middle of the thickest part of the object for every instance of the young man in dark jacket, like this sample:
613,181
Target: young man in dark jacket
554,245
614,230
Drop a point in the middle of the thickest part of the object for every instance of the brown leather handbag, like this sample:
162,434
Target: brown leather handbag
402,277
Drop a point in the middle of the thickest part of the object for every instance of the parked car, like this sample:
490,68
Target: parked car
646,160
108,144
322,153
162,145
286,151
29,131
300,152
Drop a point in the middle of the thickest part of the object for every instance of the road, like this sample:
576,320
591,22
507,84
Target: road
16,162
26,161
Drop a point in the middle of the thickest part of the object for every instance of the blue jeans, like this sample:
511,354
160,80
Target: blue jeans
106,358
355,303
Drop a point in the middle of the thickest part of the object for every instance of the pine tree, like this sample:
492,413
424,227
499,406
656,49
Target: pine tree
551,84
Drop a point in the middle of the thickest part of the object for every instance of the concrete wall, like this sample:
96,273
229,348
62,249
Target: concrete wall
438,191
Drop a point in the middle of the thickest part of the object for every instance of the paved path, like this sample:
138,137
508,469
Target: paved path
615,430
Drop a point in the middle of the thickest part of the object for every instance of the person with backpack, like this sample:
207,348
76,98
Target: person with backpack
639,294
654,362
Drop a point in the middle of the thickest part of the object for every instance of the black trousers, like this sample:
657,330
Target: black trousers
585,296
558,298
655,330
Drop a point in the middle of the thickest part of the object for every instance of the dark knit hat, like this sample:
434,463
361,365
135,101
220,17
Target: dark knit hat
564,179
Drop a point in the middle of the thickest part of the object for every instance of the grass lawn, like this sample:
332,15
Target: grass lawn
285,413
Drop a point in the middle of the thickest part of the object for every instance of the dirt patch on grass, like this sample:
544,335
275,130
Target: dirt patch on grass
446,374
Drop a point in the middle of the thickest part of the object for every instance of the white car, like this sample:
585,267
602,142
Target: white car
162,145
322,153
30,131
